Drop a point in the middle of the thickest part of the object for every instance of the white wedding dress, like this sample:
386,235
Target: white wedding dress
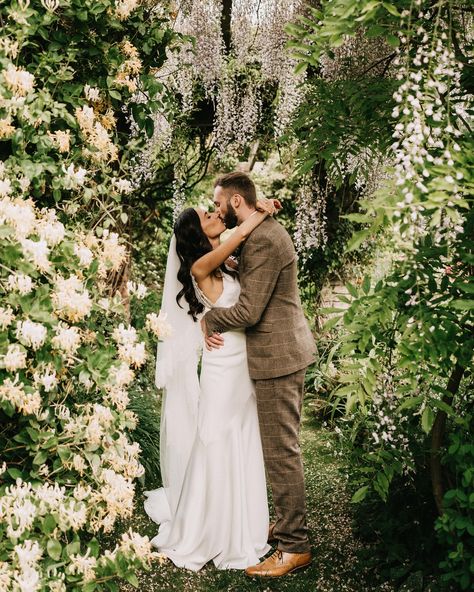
222,512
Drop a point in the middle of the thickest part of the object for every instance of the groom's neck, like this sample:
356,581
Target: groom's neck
244,212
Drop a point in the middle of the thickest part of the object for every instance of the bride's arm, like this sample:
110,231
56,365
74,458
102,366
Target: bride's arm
206,264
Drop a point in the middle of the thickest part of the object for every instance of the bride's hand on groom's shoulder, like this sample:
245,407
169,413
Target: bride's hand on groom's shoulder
268,205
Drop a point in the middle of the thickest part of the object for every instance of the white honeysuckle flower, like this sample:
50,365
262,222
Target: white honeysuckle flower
124,8
79,463
50,229
12,391
132,542
158,325
75,178
28,553
47,379
92,93
20,214
37,252
24,183
5,187
67,339
27,580
72,515
61,139
118,397
112,254
31,334
7,317
18,80
50,5
138,290
82,491
83,565
133,354
104,303
9,47
19,282
84,254
70,299
125,335
123,185
85,117
14,359
121,375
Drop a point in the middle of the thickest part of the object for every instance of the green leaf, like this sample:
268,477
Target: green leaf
360,494
329,310
332,322
15,473
393,40
352,290
54,549
94,547
73,548
361,218
427,419
443,406
410,402
366,284
370,6
357,239
40,457
132,579
34,434
49,524
149,127
463,304
391,9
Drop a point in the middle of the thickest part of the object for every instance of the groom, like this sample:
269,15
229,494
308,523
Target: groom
280,346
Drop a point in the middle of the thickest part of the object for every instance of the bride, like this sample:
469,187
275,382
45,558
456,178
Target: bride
213,503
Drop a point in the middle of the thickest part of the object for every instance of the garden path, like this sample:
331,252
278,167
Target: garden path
337,565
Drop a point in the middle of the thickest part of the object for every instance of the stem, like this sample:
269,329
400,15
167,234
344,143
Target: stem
437,437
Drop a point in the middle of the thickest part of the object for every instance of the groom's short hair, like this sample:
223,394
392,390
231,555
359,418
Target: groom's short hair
241,184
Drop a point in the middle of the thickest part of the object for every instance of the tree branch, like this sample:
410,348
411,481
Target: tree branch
437,437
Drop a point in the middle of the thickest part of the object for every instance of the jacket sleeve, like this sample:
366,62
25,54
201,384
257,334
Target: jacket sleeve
261,268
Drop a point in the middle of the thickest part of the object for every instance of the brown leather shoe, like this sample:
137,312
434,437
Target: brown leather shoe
279,564
271,537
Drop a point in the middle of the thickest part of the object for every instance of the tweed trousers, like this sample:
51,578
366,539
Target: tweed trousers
279,403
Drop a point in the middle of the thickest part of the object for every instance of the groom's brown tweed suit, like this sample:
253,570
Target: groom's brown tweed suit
280,346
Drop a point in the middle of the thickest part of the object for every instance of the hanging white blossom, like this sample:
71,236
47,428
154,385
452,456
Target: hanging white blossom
310,232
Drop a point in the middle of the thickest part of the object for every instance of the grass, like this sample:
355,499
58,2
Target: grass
336,565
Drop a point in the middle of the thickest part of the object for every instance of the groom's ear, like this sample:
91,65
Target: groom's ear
236,200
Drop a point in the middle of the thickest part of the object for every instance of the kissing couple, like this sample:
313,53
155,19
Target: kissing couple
223,428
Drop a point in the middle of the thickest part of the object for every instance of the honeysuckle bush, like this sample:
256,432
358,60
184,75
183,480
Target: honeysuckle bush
406,341
78,88
67,357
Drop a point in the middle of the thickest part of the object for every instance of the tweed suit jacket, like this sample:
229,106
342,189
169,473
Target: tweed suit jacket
279,340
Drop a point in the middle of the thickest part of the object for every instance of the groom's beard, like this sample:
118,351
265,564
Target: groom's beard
230,217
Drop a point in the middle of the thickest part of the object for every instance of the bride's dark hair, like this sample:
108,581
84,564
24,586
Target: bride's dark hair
191,244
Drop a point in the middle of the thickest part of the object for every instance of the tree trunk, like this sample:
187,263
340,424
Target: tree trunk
225,23
437,437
